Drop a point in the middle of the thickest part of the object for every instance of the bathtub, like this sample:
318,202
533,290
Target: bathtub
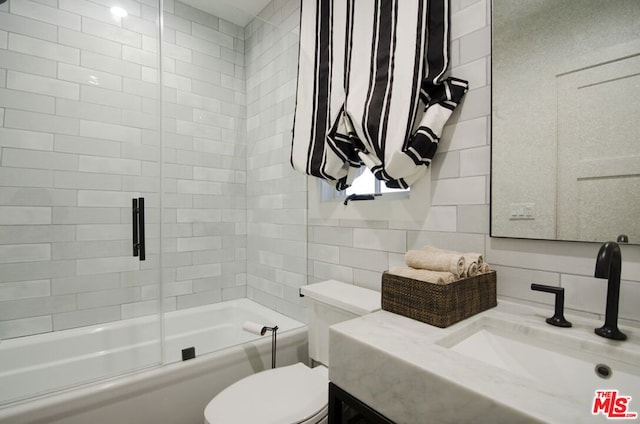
67,376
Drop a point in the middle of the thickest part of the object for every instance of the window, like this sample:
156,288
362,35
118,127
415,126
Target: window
365,183
325,202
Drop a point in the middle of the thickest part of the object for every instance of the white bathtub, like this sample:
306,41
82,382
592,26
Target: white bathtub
43,379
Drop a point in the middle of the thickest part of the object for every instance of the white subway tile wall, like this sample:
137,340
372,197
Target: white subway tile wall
73,120
80,137
276,194
203,157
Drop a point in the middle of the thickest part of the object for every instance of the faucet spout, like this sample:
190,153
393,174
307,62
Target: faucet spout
609,266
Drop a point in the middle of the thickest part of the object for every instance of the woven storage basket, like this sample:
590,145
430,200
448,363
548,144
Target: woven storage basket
435,304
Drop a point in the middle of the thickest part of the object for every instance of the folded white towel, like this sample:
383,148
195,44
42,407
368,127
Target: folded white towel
435,277
484,268
436,260
471,266
475,257
473,261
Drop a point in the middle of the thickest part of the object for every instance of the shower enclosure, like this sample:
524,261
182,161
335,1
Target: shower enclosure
144,165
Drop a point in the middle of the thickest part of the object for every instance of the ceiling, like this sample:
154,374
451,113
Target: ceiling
240,12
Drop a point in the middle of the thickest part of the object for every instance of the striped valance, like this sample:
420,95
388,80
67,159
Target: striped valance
372,89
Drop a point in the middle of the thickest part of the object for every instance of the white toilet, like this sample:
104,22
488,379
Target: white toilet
295,393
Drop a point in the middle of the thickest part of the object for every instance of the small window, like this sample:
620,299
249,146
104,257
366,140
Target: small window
365,183
325,202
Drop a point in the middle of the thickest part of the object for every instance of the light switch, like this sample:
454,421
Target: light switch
518,211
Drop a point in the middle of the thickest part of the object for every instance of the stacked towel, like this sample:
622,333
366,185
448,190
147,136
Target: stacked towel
473,261
440,266
475,264
436,261
435,277
484,268
471,266
475,257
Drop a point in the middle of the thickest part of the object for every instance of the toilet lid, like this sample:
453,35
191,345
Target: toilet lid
283,395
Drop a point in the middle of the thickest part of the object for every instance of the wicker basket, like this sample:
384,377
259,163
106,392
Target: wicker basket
439,305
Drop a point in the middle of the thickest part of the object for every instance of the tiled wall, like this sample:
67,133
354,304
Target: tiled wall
358,251
276,194
204,158
80,136
79,139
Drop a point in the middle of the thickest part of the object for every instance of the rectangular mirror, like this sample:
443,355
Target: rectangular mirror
565,128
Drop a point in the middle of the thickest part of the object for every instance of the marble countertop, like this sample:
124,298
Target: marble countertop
399,367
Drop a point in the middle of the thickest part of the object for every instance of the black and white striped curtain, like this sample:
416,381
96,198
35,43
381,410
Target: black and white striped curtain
371,88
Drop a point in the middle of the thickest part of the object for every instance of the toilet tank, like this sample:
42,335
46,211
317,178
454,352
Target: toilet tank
331,302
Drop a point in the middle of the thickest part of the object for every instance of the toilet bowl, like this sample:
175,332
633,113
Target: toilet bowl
295,393
291,394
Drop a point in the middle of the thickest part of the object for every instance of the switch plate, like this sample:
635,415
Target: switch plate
520,211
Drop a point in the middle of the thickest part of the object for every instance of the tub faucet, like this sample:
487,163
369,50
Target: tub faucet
609,265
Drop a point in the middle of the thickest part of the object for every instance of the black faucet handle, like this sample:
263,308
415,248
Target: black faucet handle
558,317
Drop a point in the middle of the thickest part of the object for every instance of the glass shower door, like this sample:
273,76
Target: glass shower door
79,141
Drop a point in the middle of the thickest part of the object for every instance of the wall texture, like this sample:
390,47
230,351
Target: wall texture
79,139
204,158
276,194
80,136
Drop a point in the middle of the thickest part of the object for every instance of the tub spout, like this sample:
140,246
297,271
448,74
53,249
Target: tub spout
609,265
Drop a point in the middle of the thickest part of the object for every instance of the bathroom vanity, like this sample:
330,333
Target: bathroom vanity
345,408
504,365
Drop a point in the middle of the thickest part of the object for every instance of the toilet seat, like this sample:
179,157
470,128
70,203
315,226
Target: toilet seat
288,395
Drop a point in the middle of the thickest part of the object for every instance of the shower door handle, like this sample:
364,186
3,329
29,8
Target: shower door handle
137,215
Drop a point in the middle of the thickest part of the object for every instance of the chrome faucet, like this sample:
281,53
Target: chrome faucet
609,265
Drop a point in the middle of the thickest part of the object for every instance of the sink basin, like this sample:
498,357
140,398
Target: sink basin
505,365
566,365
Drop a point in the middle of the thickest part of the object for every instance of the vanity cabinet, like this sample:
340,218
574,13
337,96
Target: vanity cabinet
346,409
504,365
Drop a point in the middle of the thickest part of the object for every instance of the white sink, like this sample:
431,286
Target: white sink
564,364
505,365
